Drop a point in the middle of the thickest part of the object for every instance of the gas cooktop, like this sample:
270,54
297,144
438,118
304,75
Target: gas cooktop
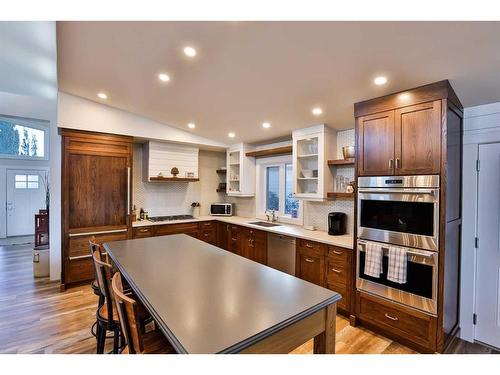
170,218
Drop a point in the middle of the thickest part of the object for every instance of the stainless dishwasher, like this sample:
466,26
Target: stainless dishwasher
281,252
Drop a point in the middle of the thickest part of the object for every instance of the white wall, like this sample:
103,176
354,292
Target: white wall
481,125
28,88
78,113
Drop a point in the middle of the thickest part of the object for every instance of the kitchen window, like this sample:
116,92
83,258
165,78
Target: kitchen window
275,190
23,138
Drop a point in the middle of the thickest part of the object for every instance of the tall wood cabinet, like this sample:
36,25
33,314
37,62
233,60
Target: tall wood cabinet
96,195
417,132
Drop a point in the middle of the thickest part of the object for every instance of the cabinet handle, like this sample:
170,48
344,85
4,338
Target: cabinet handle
206,234
309,260
336,252
336,270
391,317
234,239
143,230
227,228
398,163
391,163
207,224
309,245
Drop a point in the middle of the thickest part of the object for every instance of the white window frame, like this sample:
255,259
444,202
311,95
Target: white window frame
30,123
261,194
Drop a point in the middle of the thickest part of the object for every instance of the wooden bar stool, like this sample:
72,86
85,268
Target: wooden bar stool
153,342
94,246
107,319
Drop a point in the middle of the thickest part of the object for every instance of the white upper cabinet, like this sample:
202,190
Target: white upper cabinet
312,148
240,171
159,158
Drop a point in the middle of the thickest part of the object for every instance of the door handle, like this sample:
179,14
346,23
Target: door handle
391,317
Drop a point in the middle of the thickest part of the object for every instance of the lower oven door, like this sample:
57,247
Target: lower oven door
401,216
420,289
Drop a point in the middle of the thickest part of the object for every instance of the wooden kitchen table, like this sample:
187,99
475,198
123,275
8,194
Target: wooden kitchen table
208,300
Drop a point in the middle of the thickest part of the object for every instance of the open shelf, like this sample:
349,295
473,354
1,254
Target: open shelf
338,195
342,161
173,179
271,152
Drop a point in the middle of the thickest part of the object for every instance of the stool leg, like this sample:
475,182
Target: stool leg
116,341
101,341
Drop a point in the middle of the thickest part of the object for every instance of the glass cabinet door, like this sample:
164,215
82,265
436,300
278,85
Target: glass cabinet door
307,165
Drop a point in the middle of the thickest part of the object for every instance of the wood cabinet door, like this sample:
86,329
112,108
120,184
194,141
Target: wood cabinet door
376,144
235,239
310,268
418,139
254,244
223,231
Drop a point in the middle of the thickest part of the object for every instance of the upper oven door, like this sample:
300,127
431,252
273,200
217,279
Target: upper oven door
401,216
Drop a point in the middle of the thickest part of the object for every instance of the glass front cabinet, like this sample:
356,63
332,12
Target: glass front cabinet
312,148
240,171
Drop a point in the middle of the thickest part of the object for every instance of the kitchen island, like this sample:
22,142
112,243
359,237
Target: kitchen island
207,300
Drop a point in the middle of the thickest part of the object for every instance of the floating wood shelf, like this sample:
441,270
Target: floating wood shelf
334,195
271,152
342,162
173,179
221,171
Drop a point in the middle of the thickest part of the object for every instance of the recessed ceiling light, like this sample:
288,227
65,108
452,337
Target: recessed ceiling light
164,77
317,111
189,51
102,95
266,125
231,135
380,80
191,125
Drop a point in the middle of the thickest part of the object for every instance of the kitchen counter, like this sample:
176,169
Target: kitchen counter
345,240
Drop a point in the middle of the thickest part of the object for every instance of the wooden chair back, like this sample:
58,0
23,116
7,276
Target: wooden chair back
128,317
103,273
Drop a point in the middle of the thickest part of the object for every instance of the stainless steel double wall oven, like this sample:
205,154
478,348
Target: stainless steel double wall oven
401,211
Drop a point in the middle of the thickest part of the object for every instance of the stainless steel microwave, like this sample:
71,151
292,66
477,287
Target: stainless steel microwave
221,209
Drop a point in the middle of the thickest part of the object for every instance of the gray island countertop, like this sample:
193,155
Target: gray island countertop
208,300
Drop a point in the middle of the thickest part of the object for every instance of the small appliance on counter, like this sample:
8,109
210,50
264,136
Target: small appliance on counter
337,223
221,209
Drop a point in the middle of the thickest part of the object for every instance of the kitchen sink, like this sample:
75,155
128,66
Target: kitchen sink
265,224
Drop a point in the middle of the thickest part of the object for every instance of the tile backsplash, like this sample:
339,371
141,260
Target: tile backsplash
165,198
176,198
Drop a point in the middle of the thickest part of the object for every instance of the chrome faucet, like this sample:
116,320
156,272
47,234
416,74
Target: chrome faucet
271,217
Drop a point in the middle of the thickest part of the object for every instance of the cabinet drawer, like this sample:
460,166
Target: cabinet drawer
207,225
209,235
342,289
310,268
188,228
408,324
311,247
339,253
79,245
337,271
142,232
79,270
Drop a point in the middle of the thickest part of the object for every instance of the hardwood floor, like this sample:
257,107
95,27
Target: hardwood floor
36,318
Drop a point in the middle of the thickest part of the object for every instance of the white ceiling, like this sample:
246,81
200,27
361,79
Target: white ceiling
249,72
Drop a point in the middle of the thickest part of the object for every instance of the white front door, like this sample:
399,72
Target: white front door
488,255
25,196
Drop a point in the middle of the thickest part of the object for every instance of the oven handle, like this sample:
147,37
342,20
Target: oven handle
408,251
398,191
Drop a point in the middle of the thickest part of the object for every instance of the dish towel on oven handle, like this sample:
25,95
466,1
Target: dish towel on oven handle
373,259
398,260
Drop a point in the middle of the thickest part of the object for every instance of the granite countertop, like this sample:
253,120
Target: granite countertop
346,240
